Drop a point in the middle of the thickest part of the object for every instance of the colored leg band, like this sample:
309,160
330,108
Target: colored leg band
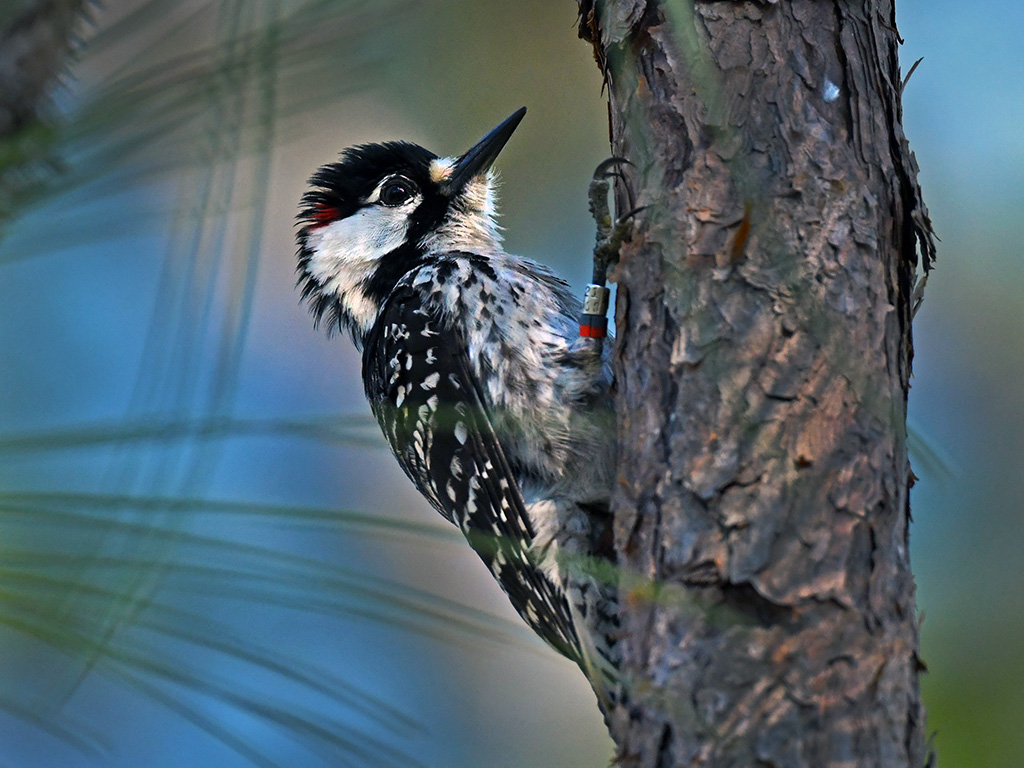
594,322
593,326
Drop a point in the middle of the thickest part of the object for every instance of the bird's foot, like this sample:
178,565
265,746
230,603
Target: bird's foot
610,236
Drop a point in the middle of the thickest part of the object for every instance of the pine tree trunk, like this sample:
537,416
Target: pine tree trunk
763,360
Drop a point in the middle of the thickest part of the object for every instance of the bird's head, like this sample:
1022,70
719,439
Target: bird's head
381,212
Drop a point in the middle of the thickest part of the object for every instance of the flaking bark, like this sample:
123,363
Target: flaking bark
763,359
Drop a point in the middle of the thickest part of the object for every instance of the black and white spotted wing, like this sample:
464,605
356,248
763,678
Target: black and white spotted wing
429,405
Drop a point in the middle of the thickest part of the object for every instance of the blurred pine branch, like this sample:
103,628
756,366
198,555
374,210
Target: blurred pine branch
35,40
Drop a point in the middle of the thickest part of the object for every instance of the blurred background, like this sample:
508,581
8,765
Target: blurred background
207,555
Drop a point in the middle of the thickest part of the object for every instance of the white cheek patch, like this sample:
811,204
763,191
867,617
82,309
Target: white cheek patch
346,253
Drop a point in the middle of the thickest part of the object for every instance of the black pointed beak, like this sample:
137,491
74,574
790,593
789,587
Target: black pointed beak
478,159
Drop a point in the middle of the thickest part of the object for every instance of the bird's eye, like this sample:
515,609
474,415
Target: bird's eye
396,191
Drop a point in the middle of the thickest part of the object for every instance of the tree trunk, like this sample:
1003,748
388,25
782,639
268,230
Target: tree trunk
762,362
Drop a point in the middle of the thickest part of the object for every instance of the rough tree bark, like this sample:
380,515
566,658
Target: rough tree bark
763,361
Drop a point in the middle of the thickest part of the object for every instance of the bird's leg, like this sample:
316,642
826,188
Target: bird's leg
594,323
606,246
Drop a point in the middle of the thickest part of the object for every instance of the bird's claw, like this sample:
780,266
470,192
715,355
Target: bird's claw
603,170
609,234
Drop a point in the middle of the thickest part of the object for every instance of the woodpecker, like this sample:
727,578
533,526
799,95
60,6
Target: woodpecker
474,365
